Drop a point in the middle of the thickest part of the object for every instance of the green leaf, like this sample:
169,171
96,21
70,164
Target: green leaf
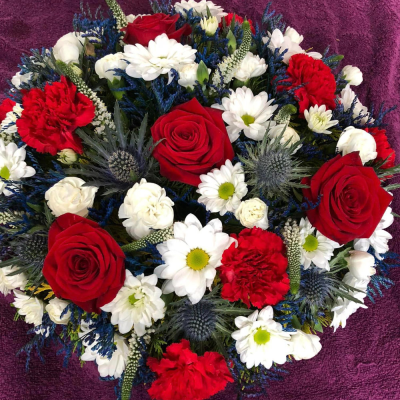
36,207
202,73
36,228
393,186
209,15
232,44
318,327
295,322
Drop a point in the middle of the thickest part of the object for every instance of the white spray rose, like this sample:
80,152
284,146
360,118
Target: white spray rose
251,67
290,136
361,264
353,75
69,47
305,346
67,156
55,308
353,139
70,196
253,213
188,75
8,283
30,307
209,25
294,36
146,206
105,65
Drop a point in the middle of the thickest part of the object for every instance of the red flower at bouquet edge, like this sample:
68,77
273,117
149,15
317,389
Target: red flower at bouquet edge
383,147
254,271
5,107
238,19
184,375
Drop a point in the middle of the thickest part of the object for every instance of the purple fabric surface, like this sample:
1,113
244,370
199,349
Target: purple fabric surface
359,362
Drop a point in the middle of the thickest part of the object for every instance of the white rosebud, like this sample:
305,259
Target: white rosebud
146,206
30,307
69,47
209,25
294,36
67,156
361,264
70,196
105,65
9,283
253,213
353,139
290,136
188,75
20,78
305,346
319,119
251,67
353,75
55,308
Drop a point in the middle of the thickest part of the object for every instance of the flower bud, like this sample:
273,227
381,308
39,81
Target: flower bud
67,156
209,25
353,75
361,264
305,346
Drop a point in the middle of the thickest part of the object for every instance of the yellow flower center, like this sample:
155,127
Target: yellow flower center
248,119
5,173
311,243
132,299
197,259
226,190
262,336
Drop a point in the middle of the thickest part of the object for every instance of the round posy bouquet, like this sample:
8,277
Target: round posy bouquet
188,197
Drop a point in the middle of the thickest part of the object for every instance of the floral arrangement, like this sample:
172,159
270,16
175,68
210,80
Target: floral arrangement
189,197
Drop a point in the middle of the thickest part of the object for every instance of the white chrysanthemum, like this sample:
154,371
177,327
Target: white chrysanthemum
261,340
55,308
200,8
8,127
347,97
104,66
161,55
9,283
192,257
305,345
343,308
12,165
315,247
251,67
253,213
319,119
222,189
113,367
137,304
288,135
30,307
248,113
380,238
146,206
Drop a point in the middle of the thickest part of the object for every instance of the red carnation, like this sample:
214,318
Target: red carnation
383,147
184,375
50,117
255,270
238,19
5,107
318,82
146,28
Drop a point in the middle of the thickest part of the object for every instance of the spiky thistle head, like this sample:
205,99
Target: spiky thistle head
272,167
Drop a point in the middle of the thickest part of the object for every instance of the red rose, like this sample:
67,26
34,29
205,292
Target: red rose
352,199
5,107
195,141
318,82
184,375
146,28
255,270
50,117
383,147
238,19
84,264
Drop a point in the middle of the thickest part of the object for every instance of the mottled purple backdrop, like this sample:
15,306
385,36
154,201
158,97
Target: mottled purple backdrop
356,363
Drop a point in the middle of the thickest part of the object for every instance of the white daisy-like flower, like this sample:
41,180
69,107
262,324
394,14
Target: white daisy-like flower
222,189
261,340
161,55
319,119
30,307
200,8
315,247
380,238
251,67
9,283
137,304
347,97
248,113
12,165
191,257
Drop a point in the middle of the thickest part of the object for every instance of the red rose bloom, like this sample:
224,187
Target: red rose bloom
50,117
184,375
383,147
5,107
317,78
146,28
195,140
255,270
84,263
352,200
238,19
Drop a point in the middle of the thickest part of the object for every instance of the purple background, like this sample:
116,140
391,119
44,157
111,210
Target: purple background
359,362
